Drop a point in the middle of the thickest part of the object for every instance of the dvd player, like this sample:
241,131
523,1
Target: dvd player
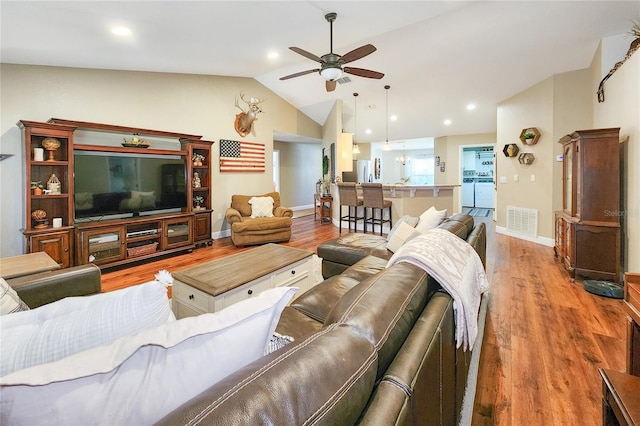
142,233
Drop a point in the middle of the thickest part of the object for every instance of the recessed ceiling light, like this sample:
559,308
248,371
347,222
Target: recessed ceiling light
121,31
368,131
447,122
393,118
471,107
273,55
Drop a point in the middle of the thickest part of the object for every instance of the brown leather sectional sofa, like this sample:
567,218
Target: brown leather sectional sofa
373,345
46,287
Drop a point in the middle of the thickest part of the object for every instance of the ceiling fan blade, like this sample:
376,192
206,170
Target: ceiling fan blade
331,85
358,53
298,74
363,73
306,54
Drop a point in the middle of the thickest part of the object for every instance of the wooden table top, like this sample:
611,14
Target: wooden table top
26,264
625,389
224,274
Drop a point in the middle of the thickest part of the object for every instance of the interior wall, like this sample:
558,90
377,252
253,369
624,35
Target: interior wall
194,104
621,108
448,149
300,168
555,106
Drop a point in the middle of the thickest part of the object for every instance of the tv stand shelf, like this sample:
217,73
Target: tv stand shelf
121,241
181,192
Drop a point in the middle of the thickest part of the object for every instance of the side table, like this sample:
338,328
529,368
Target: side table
323,207
620,402
27,264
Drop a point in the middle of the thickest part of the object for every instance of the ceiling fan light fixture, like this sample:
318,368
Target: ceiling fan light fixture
331,73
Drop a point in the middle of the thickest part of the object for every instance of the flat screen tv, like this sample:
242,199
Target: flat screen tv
111,184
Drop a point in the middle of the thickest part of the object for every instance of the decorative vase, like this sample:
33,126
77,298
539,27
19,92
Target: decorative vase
51,144
37,191
40,218
197,163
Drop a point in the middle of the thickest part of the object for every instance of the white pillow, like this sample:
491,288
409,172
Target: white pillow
409,220
401,236
261,207
10,302
76,324
140,379
430,219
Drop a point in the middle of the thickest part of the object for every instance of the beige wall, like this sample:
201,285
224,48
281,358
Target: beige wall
448,148
555,106
300,169
194,104
621,108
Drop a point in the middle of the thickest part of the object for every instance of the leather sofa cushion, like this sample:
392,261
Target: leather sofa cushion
296,385
321,298
424,364
261,224
478,240
350,248
365,268
465,219
296,324
405,290
455,227
46,287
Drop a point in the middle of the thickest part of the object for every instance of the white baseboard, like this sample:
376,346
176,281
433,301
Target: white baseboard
304,207
549,242
222,234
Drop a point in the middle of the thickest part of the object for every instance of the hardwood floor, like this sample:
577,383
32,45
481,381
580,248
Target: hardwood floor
545,336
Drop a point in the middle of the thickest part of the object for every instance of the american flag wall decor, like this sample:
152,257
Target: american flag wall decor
236,156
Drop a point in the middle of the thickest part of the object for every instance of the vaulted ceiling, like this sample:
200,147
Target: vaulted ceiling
437,56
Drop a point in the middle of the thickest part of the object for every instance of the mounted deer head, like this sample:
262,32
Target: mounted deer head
244,120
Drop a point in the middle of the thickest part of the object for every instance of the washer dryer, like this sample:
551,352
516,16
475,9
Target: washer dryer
468,192
484,195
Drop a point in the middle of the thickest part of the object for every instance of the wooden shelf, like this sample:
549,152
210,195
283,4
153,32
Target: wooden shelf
535,139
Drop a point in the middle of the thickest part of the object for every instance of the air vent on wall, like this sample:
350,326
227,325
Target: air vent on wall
344,80
522,221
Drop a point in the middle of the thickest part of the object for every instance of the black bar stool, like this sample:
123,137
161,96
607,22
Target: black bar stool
374,199
349,197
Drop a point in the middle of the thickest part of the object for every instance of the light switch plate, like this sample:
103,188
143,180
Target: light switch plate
503,179
515,178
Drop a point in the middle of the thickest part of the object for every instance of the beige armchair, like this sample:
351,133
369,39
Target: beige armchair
246,230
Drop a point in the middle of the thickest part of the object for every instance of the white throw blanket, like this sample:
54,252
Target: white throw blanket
456,266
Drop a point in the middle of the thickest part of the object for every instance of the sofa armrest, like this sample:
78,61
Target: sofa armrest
283,212
46,287
233,216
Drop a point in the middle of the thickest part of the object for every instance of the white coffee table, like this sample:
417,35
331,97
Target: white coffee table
214,285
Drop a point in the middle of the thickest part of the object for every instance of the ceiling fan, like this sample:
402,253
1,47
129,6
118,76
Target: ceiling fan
331,64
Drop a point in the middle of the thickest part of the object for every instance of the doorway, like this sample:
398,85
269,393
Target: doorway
477,179
276,170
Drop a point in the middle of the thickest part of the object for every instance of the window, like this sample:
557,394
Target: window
421,170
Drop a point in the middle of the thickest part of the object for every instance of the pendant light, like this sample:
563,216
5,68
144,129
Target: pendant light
386,146
403,159
356,150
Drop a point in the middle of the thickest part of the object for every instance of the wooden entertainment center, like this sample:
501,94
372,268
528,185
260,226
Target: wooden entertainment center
109,242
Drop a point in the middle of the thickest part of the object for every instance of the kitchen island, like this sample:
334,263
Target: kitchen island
409,199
